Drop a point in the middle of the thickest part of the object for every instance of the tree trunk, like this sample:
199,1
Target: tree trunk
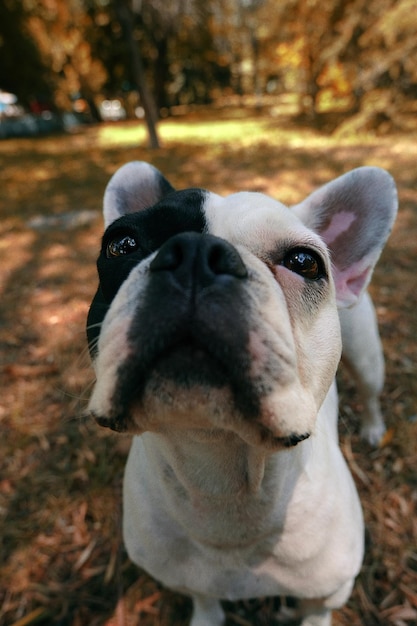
125,17
161,74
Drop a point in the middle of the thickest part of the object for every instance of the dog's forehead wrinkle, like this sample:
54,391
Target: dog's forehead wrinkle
261,224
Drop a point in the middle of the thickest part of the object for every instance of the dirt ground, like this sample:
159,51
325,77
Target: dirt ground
62,561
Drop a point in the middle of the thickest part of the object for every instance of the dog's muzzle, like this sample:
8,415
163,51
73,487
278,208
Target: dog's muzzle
191,325
189,342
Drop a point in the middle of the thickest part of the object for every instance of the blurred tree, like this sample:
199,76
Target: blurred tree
359,55
321,27
362,53
60,31
22,69
126,19
180,53
387,82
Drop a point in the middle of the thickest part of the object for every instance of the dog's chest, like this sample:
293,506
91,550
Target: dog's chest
217,493
231,546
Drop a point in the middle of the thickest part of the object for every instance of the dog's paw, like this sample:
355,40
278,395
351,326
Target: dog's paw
207,612
317,617
324,619
373,432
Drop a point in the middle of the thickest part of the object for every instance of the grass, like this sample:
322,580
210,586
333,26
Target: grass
62,562
192,132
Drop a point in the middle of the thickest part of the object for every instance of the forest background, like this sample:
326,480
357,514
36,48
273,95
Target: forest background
278,97
355,57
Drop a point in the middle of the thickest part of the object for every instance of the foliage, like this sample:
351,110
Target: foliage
332,53
22,69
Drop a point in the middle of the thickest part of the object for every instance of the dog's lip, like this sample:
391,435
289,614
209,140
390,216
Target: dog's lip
293,439
269,438
117,424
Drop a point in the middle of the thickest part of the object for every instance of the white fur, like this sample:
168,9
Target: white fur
209,509
362,353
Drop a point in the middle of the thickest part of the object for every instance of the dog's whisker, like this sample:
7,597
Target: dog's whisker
93,326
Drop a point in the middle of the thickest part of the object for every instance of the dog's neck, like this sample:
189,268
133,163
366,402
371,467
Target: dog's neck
227,493
219,464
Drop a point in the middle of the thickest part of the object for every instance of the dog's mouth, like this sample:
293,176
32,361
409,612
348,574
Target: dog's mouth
204,370
189,378
183,364
187,362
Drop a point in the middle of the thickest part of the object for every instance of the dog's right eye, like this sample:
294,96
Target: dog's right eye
120,246
307,263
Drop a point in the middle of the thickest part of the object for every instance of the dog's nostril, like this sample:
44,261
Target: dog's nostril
200,255
169,257
225,259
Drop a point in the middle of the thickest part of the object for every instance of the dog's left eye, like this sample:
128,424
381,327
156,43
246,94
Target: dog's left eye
120,246
304,262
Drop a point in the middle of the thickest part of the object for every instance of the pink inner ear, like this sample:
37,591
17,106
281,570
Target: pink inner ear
339,223
351,282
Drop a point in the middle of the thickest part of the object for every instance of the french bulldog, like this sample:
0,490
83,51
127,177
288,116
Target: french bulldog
215,338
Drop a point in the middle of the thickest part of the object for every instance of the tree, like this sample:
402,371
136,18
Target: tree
125,16
361,52
22,69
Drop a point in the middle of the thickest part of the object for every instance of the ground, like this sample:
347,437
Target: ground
62,561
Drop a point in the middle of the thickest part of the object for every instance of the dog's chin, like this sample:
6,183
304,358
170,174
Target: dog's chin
208,411
189,387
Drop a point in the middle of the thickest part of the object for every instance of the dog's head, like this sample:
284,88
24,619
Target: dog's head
220,313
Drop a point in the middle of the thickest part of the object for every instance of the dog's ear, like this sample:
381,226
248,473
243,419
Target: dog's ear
354,215
135,186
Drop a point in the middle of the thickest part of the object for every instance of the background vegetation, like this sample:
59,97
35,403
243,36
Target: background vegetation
267,96
357,57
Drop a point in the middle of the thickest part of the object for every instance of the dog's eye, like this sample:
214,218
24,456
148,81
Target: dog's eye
120,246
306,263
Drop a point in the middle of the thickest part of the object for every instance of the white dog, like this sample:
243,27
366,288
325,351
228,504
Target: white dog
215,338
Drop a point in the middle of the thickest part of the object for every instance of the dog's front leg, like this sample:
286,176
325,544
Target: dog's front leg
318,611
315,614
206,612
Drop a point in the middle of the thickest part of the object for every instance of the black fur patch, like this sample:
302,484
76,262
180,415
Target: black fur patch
180,211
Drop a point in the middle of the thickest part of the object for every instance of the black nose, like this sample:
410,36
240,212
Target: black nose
199,257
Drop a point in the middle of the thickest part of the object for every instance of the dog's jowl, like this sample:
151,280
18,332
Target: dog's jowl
215,337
